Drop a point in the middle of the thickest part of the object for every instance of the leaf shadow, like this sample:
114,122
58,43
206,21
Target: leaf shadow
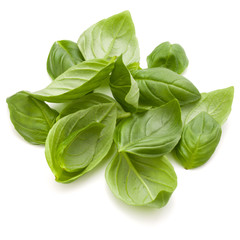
137,213
82,181
141,213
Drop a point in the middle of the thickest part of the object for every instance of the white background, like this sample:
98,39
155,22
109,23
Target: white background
206,203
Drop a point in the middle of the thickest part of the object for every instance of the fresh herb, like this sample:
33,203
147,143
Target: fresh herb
77,81
146,114
158,86
152,133
31,118
216,103
124,88
109,38
171,56
141,181
63,55
79,141
199,140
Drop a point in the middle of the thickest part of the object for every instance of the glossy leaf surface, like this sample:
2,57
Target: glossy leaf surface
152,133
217,103
76,81
171,56
79,141
124,88
160,85
111,37
199,140
31,118
63,55
141,181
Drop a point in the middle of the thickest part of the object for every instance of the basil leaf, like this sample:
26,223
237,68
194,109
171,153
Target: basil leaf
111,37
90,100
133,66
63,55
171,56
152,133
216,103
79,142
160,85
76,81
141,181
124,88
199,140
31,118
77,151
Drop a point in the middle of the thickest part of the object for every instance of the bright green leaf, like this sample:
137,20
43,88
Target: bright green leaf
79,141
152,133
90,100
199,140
141,181
76,81
77,151
216,103
111,37
133,66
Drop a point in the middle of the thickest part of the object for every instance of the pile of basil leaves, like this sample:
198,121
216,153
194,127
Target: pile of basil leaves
114,110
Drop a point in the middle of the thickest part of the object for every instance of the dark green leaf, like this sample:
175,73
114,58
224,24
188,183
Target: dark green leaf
160,85
63,55
171,56
32,118
124,88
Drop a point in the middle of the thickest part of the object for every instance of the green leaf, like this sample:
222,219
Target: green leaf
199,140
31,118
111,37
79,141
77,151
76,81
124,88
133,66
160,85
216,103
90,100
152,133
171,56
63,55
141,181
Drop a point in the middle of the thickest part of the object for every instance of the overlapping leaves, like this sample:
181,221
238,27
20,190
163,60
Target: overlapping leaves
149,113
79,141
77,81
